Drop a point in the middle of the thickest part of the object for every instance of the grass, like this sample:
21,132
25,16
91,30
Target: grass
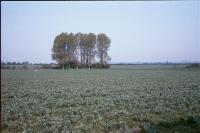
109,100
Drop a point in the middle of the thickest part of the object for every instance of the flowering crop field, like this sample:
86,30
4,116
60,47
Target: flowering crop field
102,100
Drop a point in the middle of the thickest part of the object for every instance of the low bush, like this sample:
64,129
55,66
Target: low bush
194,65
46,66
24,67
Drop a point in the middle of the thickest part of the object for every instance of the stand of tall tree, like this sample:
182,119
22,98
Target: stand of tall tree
81,50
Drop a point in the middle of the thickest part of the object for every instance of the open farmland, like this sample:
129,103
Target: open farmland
102,100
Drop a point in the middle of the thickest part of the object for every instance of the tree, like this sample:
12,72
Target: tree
59,49
25,63
80,49
83,48
14,63
70,49
91,40
103,44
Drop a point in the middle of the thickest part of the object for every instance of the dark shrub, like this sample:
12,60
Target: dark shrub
25,67
98,65
7,67
73,64
194,65
46,66
80,65
13,67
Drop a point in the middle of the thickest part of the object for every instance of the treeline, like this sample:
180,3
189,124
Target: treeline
81,50
13,67
15,63
27,66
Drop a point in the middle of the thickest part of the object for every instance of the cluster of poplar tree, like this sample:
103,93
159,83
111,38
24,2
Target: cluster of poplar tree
81,50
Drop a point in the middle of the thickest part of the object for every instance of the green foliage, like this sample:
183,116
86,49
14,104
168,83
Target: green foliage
184,125
101,100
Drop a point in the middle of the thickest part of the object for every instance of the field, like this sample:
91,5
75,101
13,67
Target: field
119,99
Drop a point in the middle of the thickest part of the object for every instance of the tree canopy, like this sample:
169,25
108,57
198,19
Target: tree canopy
81,50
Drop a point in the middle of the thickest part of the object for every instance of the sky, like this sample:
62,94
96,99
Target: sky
140,31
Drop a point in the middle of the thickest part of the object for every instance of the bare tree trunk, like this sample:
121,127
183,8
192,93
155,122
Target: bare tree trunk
102,59
77,64
64,60
89,65
89,58
77,59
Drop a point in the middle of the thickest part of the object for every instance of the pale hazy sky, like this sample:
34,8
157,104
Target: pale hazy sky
140,31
